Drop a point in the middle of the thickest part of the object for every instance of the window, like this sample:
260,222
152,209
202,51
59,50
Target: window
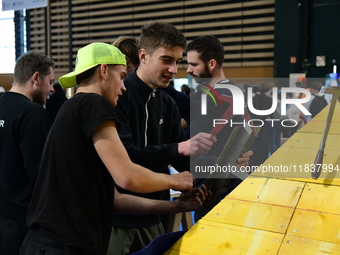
7,42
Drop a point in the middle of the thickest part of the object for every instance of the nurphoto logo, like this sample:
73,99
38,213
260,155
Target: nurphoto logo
238,103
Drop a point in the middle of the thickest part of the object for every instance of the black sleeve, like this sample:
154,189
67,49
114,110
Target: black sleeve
35,128
151,156
96,110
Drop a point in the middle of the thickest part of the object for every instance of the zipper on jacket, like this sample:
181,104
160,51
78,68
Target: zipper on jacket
152,94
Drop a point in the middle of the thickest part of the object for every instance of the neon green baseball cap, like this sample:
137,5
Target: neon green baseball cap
90,56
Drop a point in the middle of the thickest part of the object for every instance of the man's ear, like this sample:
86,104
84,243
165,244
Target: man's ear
143,54
34,78
104,68
212,64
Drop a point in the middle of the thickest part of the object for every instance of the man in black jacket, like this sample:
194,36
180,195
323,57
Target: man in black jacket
55,101
151,129
205,56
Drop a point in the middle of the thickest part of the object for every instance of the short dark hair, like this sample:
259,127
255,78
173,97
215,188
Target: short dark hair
209,48
265,87
86,75
29,63
317,85
160,34
57,87
128,45
89,73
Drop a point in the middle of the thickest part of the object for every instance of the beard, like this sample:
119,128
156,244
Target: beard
205,76
38,97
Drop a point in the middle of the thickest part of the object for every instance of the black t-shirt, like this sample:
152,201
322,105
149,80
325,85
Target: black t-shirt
73,198
24,126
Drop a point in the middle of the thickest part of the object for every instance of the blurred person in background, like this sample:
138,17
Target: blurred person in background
129,46
55,101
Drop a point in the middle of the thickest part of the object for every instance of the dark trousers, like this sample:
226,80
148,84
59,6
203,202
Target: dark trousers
36,243
12,233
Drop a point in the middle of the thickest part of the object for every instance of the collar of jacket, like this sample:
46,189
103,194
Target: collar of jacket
135,84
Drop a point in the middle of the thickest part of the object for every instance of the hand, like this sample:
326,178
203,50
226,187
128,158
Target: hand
198,144
184,123
183,181
191,201
244,159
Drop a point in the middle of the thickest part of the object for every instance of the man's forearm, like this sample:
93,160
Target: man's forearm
133,205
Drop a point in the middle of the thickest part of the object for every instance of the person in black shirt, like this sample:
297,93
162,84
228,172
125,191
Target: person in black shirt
74,197
55,101
205,56
24,126
318,102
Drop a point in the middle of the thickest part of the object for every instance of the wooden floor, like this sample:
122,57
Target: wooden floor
283,212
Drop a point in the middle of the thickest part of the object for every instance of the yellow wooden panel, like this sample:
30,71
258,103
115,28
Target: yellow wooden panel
268,191
299,151
266,217
259,203
298,245
211,238
316,225
318,123
318,197
317,214
295,158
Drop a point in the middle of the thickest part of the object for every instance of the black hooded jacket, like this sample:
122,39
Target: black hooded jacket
150,131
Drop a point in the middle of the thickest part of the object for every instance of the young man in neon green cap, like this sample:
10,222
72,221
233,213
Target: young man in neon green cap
72,204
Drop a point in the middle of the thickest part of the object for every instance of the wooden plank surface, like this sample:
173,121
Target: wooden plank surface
212,238
263,206
318,123
299,245
297,156
317,214
277,212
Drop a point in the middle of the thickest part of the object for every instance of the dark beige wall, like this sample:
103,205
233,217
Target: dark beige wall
6,81
246,28
240,72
